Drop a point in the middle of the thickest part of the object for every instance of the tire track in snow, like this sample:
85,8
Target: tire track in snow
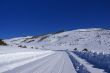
51,64
35,66
59,62
68,66
63,65
59,67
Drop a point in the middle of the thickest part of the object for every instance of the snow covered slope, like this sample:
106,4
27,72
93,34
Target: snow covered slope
49,54
95,39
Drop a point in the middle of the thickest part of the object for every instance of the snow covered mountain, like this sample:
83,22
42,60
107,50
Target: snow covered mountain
48,53
96,39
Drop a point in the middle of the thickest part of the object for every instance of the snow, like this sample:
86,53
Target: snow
40,61
14,49
89,67
11,60
57,62
49,54
94,39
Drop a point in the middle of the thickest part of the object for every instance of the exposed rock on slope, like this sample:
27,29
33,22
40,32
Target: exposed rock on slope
2,42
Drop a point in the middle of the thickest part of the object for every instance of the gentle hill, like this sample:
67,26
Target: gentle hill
93,39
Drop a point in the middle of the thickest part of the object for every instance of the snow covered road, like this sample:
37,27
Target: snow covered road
49,62
44,62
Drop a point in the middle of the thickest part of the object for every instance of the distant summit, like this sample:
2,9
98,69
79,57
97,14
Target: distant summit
91,29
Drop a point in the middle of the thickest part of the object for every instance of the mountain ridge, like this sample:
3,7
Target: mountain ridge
92,38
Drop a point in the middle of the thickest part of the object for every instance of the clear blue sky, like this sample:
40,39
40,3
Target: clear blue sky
34,17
